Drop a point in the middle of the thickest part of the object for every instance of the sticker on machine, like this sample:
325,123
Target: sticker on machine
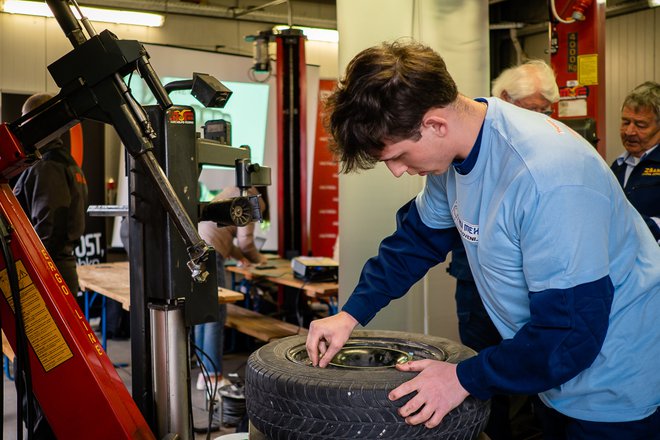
42,332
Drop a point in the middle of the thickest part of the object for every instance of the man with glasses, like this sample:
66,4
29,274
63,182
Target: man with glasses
531,85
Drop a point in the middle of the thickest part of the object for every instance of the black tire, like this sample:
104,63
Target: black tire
286,398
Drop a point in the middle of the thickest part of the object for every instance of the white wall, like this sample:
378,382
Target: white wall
632,56
369,200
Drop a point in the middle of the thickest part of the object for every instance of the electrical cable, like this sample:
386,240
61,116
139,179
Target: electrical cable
23,377
553,7
205,374
252,74
210,390
232,408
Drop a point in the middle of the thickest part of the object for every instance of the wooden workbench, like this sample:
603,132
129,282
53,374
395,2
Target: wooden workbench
259,326
281,273
112,280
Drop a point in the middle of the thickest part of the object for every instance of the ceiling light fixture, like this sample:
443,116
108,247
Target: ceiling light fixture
313,34
94,14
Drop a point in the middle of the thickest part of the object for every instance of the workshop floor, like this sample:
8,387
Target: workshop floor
120,353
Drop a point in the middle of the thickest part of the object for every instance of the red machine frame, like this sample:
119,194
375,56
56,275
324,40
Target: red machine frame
73,379
74,382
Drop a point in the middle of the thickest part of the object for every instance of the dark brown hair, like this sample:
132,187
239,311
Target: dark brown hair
383,97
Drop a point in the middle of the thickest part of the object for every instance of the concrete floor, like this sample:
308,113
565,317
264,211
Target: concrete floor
119,352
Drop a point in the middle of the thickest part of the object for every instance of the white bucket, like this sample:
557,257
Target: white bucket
234,436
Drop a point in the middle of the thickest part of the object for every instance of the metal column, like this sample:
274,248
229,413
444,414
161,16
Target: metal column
171,378
292,144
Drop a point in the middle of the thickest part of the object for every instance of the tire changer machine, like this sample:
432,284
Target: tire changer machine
59,359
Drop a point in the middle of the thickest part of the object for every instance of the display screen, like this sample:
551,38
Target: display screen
246,110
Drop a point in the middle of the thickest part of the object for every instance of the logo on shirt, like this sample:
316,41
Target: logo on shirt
554,125
651,171
467,230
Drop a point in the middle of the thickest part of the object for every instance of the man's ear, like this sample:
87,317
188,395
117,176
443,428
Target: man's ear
505,96
436,123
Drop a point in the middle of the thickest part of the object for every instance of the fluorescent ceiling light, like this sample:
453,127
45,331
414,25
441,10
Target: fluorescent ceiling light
314,34
95,14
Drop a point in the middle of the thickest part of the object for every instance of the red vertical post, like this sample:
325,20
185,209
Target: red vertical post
324,216
578,58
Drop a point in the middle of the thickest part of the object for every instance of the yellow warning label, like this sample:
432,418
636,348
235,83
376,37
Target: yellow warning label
42,332
588,70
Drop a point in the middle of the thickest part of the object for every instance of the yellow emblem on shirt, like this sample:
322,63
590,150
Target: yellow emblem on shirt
651,171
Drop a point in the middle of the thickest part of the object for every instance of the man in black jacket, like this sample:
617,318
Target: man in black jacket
638,169
53,194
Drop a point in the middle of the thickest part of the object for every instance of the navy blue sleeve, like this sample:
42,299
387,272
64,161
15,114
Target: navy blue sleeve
653,226
563,337
403,258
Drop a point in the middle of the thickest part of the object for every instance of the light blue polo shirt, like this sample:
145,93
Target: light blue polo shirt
542,210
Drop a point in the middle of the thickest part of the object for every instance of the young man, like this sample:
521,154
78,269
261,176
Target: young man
566,267
638,169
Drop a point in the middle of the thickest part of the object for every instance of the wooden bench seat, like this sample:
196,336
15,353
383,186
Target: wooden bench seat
6,348
7,358
261,327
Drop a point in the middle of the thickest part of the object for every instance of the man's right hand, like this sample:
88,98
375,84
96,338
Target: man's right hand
327,336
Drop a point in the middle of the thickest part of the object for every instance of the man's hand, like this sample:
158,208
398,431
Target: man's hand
327,336
242,262
438,392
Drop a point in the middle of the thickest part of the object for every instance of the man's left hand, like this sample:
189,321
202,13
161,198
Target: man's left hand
438,392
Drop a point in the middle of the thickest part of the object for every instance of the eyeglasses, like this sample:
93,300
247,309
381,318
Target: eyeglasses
534,103
544,110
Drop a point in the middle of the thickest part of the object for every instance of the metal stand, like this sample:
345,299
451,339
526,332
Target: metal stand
170,369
